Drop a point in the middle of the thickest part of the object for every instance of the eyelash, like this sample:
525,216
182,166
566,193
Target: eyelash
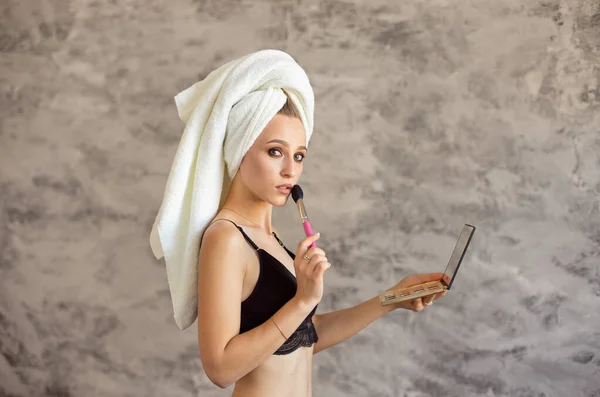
303,156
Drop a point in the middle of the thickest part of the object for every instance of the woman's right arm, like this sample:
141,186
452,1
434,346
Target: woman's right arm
226,354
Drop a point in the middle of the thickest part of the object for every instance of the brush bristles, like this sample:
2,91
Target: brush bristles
297,193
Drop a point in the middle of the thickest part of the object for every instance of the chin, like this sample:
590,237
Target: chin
281,203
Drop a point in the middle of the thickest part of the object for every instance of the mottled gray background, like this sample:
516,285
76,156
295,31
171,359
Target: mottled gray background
430,114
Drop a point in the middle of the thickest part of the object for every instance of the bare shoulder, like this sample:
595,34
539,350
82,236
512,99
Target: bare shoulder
221,232
222,246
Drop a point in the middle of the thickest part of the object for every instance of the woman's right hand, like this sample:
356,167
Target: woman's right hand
309,273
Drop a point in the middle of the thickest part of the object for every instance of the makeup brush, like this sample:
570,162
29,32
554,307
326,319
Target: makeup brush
298,196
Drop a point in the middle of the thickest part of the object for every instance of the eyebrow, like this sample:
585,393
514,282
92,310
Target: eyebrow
286,144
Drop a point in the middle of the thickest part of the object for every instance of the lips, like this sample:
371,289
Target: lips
284,190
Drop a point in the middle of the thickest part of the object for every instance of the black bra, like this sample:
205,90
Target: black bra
276,285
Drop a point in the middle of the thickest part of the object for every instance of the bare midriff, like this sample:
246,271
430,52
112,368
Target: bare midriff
279,376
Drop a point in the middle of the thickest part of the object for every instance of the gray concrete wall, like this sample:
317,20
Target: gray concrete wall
429,115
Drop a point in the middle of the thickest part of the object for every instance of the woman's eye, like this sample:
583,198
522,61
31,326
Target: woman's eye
275,149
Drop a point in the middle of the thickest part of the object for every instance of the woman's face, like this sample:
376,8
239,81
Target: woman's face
275,158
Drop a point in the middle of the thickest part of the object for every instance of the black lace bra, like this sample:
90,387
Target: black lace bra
276,285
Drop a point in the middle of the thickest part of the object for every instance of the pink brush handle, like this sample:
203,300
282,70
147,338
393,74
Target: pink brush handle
308,231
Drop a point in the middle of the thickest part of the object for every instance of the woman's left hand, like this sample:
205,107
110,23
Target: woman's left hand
418,304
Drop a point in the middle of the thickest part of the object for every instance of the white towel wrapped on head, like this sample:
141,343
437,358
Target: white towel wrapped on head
224,114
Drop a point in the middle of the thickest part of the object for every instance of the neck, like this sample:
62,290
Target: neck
255,212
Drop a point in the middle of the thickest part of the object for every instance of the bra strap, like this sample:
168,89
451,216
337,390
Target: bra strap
280,243
248,239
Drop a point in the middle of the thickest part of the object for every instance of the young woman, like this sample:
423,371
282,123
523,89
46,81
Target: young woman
257,326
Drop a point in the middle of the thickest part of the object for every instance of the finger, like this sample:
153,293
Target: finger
320,269
417,305
316,258
314,262
445,278
430,277
428,300
312,251
304,244
309,240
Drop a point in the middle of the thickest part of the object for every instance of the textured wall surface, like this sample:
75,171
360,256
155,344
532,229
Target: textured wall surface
430,114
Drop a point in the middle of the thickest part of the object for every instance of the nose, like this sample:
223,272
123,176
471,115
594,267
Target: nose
289,167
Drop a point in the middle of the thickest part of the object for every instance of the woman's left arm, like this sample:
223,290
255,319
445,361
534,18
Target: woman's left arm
335,327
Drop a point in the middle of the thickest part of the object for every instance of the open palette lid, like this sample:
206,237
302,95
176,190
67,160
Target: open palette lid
457,255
